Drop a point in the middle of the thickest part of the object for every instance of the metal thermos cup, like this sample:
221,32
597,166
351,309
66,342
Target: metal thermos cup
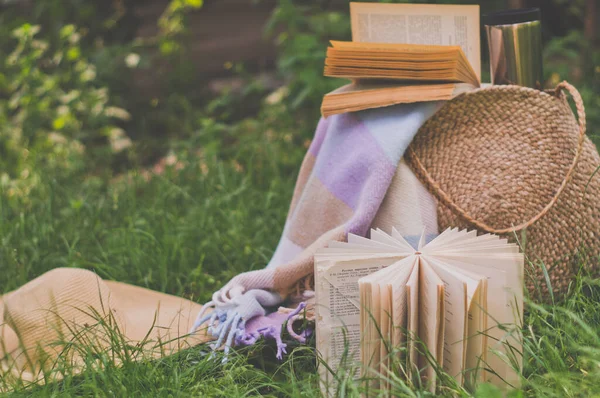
515,46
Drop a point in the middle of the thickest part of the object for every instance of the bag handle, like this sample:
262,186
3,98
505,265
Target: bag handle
443,197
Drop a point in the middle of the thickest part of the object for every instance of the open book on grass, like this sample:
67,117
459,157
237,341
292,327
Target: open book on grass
453,303
404,53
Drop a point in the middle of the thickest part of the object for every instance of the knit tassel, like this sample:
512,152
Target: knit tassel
229,328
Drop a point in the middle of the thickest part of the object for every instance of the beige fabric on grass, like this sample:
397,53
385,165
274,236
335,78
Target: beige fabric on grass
43,323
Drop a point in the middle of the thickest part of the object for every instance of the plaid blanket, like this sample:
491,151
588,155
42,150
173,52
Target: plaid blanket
340,189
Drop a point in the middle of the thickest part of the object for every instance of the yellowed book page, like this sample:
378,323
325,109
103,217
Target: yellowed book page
366,95
338,310
392,287
370,337
340,253
374,313
432,24
377,310
385,64
460,289
443,239
504,308
387,328
380,236
392,74
469,240
365,295
362,88
412,306
422,58
359,47
431,325
476,340
397,284
380,240
502,300
511,264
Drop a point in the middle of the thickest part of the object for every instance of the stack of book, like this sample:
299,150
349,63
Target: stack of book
454,303
403,53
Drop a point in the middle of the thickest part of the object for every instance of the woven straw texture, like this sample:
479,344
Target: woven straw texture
515,161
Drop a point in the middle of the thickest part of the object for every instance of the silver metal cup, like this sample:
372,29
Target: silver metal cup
515,46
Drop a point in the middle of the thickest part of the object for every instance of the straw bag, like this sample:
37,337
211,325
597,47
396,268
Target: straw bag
514,161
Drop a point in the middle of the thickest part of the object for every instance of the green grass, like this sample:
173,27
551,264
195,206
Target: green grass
188,231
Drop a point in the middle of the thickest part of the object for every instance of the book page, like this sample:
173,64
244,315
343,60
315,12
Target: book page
370,331
459,291
504,308
387,329
431,325
475,350
392,284
476,353
338,310
502,265
412,319
433,24
377,333
397,283
446,239
358,48
382,244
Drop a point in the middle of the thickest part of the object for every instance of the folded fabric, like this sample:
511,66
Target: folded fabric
340,189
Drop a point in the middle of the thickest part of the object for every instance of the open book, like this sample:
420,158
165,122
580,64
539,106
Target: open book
404,53
362,95
456,302
402,62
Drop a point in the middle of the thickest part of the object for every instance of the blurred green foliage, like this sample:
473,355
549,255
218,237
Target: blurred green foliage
172,24
302,39
575,59
51,107
70,93
67,88
181,190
